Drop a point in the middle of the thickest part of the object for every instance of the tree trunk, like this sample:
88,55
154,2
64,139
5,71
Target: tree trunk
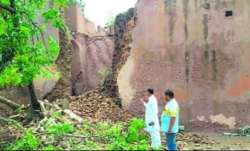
62,89
34,104
34,111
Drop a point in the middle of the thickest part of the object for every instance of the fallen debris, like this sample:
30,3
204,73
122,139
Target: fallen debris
204,126
242,131
199,141
96,106
10,103
10,130
185,139
194,138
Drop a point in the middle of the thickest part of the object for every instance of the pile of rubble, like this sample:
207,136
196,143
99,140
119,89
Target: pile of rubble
204,126
194,138
94,106
197,141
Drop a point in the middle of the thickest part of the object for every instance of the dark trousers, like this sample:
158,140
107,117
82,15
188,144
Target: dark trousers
171,141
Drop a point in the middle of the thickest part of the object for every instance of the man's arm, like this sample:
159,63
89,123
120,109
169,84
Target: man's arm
142,101
171,125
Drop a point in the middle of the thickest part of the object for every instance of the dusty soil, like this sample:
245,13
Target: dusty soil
213,141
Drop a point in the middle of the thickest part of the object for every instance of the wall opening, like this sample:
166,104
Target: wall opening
228,13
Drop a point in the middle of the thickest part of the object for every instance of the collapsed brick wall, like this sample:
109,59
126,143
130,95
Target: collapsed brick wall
124,24
92,61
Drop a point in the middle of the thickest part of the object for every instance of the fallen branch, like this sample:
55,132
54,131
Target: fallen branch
7,120
70,114
15,116
10,103
43,107
63,119
73,116
72,135
3,119
55,106
80,136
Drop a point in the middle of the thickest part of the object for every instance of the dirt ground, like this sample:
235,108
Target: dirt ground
216,141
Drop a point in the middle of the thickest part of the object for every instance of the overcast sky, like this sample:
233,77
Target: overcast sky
99,11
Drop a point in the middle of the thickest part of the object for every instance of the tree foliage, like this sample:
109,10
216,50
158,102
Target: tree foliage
24,48
110,21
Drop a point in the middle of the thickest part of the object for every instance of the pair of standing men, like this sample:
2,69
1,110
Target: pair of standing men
169,119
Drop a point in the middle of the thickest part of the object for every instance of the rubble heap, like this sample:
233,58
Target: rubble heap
95,106
196,140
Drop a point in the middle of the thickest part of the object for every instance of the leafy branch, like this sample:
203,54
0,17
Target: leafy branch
8,8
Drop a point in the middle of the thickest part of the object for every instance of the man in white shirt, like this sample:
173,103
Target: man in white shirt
151,119
170,120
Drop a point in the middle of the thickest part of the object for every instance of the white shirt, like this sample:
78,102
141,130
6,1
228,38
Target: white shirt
151,114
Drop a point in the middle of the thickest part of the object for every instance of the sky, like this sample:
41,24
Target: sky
99,11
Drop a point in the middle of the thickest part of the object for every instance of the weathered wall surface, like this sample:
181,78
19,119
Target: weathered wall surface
124,24
76,21
44,85
196,48
92,61
92,52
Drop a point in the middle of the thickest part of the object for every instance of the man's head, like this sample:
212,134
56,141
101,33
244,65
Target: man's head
169,95
150,91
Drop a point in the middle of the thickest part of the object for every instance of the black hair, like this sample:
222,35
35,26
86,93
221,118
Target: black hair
169,93
151,91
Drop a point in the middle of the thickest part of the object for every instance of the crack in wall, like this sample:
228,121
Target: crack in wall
121,53
170,7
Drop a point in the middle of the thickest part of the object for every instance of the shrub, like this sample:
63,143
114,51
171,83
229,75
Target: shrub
60,129
28,141
50,147
133,139
135,130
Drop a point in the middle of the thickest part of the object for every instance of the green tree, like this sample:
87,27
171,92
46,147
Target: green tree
24,50
110,21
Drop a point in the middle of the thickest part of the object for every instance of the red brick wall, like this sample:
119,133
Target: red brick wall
191,47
